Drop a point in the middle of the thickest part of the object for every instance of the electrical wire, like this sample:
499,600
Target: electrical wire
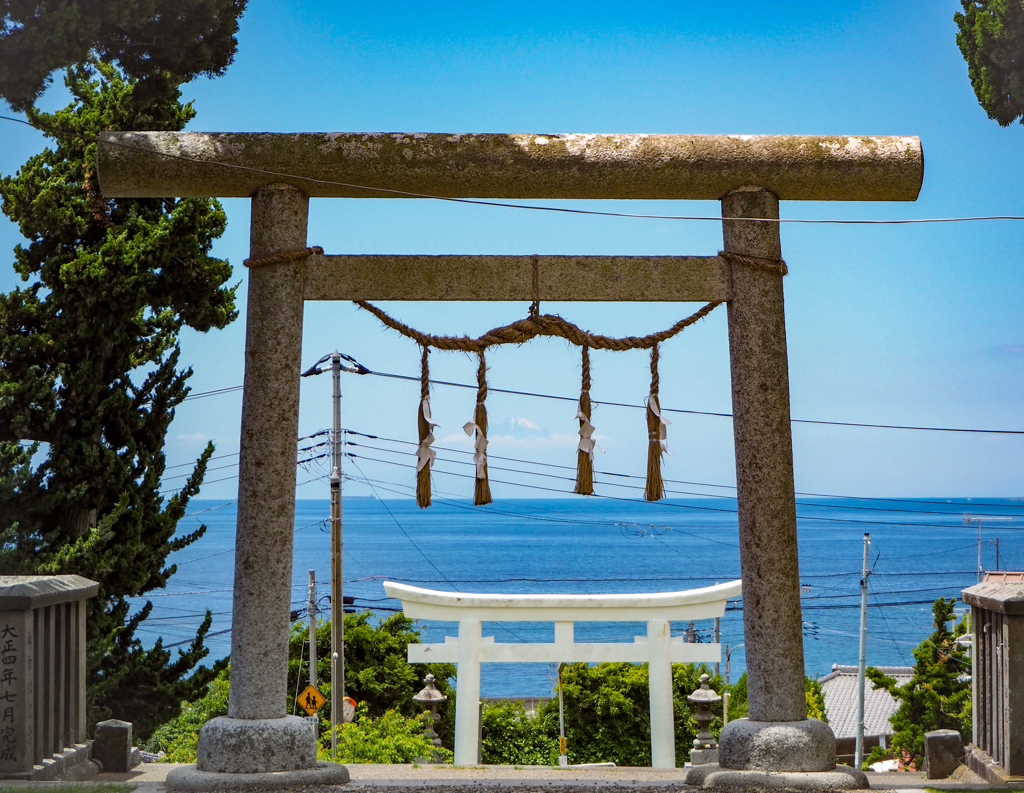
958,513
664,409
700,412
672,505
424,555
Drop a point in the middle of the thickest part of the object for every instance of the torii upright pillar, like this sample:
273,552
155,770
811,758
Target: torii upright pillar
776,737
258,744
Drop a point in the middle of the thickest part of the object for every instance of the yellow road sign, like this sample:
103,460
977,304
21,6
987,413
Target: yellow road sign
311,700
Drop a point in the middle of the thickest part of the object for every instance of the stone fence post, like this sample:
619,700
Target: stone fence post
42,675
997,661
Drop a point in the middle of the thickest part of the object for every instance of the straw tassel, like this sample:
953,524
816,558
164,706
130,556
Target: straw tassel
657,434
585,450
482,491
424,454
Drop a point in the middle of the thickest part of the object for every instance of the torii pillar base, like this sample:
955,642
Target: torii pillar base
255,754
777,754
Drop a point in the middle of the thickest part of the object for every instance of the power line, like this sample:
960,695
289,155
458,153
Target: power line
701,412
596,402
424,555
217,457
957,513
669,504
804,518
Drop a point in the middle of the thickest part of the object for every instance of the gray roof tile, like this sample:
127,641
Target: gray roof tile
840,688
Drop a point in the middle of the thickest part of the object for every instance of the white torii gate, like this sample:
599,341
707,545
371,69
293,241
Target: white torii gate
658,649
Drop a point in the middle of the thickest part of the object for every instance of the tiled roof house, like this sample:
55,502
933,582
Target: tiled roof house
840,689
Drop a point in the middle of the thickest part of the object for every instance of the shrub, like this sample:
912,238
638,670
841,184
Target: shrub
377,676
178,737
511,736
607,712
938,696
390,738
377,673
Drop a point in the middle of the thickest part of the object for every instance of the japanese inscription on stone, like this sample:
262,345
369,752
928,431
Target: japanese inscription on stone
9,652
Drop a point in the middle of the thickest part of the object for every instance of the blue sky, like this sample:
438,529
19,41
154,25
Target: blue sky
916,325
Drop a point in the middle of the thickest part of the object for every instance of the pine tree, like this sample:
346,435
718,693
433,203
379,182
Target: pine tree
90,378
163,43
938,696
991,38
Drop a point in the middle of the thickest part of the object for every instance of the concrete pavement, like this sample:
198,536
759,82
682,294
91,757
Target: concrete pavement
150,777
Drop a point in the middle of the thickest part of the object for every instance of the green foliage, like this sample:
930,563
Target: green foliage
511,736
607,712
991,38
389,738
377,674
738,698
178,737
89,381
377,677
161,42
814,695
938,696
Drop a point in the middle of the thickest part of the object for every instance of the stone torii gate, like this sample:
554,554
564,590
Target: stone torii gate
257,743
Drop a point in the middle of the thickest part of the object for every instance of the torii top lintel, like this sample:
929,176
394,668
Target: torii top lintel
576,166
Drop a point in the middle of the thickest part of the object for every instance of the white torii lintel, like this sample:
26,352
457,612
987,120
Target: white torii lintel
658,649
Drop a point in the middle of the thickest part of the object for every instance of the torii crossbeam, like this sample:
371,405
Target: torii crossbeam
750,174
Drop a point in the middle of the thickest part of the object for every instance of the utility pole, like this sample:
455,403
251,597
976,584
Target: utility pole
728,655
979,550
337,594
312,635
563,754
337,598
312,628
859,749
726,695
718,638
968,521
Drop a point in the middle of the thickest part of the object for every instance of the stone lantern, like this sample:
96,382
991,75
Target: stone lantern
705,749
429,698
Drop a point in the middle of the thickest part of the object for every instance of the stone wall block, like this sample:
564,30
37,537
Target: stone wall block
943,752
112,745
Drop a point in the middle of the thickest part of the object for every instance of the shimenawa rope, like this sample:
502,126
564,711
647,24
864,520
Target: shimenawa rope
523,330
287,256
657,435
585,449
424,454
764,262
478,426
519,332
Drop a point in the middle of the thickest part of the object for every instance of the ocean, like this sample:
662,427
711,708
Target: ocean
921,549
